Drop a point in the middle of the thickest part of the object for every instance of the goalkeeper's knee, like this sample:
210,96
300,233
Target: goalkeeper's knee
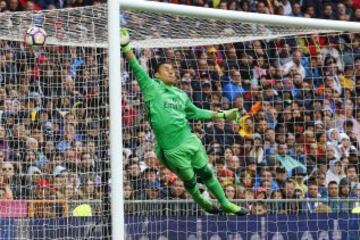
190,184
204,173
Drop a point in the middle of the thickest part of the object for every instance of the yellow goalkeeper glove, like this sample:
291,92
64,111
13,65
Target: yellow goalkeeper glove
125,40
230,115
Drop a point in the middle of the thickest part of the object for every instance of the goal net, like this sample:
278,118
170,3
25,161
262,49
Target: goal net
292,158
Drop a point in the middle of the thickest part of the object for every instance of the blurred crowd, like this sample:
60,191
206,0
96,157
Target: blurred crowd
344,10
299,97
53,104
36,5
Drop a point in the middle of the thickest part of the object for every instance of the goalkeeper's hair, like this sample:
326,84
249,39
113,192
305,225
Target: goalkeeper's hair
156,63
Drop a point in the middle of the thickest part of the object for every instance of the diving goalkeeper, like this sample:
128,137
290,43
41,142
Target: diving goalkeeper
168,109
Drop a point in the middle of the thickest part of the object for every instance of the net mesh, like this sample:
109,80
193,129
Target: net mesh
298,88
299,97
87,26
54,131
300,101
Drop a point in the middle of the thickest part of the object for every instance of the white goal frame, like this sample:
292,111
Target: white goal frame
117,202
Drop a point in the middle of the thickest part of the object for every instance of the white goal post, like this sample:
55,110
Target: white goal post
117,202
238,16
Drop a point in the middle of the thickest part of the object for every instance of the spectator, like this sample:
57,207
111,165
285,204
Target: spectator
328,11
33,145
247,181
270,139
356,192
11,177
313,192
261,192
335,173
286,161
277,207
128,191
351,174
266,175
298,174
231,60
134,175
150,161
228,154
230,191
216,131
232,163
3,6
333,197
345,192
245,5
70,192
319,177
281,177
5,192
333,137
226,176
296,10
287,7
246,127
295,65
233,88
61,177
90,148
291,193
257,151
249,194
177,190
43,190
345,145
69,137
89,191
259,208
271,118
5,150
14,5
152,190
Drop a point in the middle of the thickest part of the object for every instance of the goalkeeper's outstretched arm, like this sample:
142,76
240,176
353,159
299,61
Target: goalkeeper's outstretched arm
193,112
146,85
143,78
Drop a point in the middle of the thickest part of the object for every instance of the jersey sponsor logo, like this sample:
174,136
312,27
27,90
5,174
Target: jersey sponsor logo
173,103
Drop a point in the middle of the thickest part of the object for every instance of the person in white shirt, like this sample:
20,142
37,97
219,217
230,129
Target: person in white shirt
295,64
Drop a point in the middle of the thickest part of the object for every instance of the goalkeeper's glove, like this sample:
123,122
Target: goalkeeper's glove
125,40
230,115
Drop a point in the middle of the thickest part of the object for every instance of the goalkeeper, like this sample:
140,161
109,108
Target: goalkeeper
168,109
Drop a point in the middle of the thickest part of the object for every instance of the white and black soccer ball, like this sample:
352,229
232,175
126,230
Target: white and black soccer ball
35,36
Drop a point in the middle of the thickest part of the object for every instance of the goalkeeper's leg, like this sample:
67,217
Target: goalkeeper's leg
179,162
212,183
200,164
189,179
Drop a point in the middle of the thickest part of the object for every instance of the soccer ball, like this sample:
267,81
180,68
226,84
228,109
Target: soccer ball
35,36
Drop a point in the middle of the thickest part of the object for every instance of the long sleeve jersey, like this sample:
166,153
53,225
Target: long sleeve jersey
168,109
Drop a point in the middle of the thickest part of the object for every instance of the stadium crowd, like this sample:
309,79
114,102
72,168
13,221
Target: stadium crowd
53,105
51,113
299,97
298,137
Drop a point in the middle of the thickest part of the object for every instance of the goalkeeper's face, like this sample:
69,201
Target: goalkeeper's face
166,73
